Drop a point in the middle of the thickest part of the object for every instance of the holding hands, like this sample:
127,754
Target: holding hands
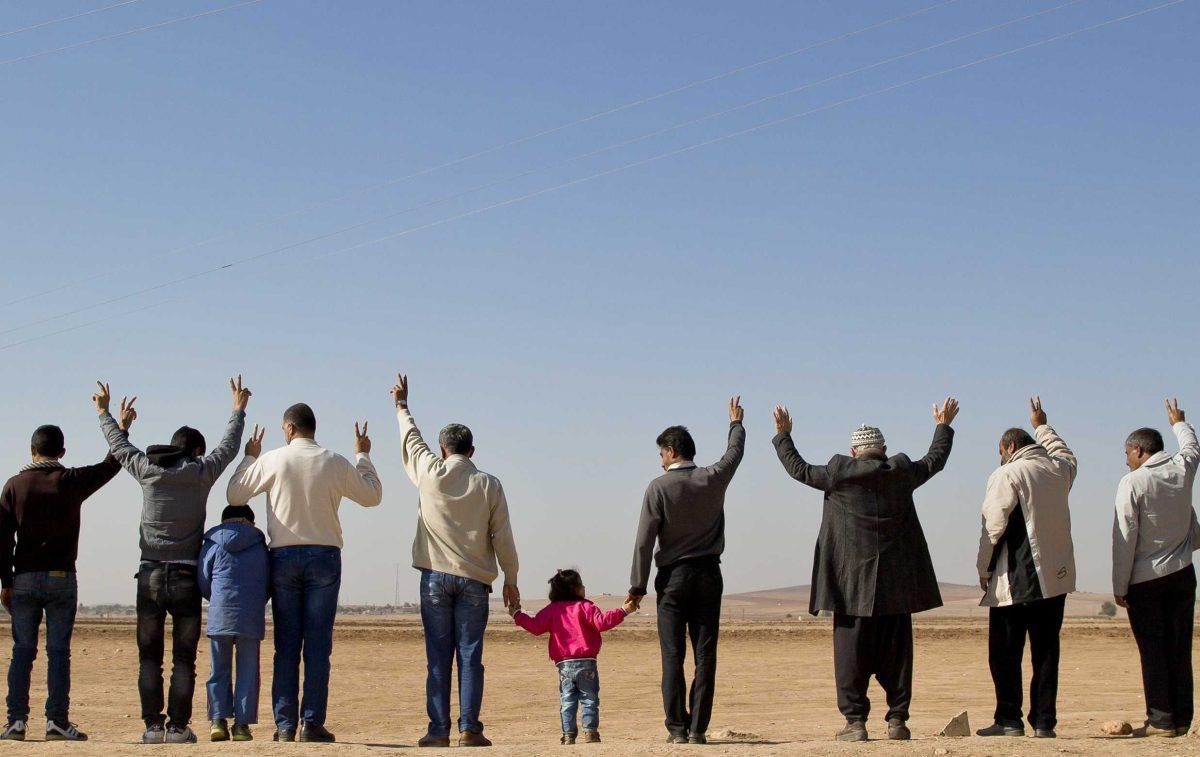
1037,416
512,598
1174,414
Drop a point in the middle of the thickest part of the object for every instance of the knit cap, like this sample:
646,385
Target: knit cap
867,436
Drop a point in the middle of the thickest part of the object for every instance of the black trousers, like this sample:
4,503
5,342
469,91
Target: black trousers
167,589
1040,620
689,607
1161,615
880,646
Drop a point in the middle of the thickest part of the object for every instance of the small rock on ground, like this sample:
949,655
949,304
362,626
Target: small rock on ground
958,726
731,735
1116,728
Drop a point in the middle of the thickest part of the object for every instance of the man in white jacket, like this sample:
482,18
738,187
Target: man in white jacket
1154,534
304,484
1026,569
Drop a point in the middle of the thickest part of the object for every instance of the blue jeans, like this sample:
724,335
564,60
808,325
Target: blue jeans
579,687
454,612
55,593
304,593
225,700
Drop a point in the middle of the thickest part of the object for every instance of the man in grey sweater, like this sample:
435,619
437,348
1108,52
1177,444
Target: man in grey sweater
175,480
684,511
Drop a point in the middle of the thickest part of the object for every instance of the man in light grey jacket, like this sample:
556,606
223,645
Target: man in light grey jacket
175,480
1154,534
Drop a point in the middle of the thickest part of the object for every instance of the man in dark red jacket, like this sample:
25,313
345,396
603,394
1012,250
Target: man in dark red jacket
39,542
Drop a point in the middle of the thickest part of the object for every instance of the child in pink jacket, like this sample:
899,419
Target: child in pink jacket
575,625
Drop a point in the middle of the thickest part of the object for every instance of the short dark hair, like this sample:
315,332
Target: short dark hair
237,511
48,441
1147,439
302,417
1018,436
189,440
564,586
679,439
457,439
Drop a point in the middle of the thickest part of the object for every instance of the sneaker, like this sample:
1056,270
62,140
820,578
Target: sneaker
219,730
1000,729
177,734
241,732
469,738
697,738
63,732
591,737
155,734
1152,730
855,730
567,739
284,734
676,738
429,740
16,731
315,734
1044,733
898,731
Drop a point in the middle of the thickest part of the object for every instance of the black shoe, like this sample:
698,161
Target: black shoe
697,738
313,733
1045,733
64,731
156,733
1000,729
855,730
429,740
676,738
898,731
284,734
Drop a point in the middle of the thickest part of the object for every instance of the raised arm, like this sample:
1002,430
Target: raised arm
361,482
1048,438
116,432
215,463
418,460
1125,537
1189,448
943,439
643,549
736,446
251,477
816,476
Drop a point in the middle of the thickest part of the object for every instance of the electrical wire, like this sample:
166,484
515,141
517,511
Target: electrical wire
53,21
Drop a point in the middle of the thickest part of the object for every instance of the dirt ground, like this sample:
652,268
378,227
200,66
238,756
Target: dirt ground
775,687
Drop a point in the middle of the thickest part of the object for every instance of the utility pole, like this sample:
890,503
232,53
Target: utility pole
396,593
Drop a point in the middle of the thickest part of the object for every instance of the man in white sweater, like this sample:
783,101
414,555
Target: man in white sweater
1154,534
463,530
304,484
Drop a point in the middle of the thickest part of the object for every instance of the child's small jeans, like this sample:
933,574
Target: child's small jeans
225,698
579,687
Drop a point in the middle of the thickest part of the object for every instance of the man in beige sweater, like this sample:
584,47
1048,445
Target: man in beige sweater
462,531
304,484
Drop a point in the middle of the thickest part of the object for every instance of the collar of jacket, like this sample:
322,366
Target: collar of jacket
872,455
1158,458
685,465
42,465
1033,450
303,441
456,460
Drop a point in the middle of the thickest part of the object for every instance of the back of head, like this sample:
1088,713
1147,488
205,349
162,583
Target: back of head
301,416
456,439
679,439
190,441
1148,440
48,441
1017,438
237,512
564,586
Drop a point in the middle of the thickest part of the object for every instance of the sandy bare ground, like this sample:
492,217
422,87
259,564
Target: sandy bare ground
775,682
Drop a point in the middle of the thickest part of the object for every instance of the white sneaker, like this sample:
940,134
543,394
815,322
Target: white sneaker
56,732
14,732
177,735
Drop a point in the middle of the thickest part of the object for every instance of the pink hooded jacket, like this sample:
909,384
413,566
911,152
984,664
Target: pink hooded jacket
575,627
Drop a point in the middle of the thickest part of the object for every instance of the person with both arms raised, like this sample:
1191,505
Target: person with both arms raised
175,479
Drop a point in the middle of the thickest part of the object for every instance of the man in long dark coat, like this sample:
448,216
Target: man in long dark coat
872,568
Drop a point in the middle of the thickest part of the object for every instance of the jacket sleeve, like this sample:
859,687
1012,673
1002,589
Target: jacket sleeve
537,625
1056,447
999,501
728,464
88,479
247,482
605,621
130,457
816,476
208,558
360,481
643,548
1125,536
935,459
500,530
1189,449
419,461
215,463
8,536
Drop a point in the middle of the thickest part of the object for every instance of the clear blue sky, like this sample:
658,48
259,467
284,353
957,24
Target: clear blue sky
1027,225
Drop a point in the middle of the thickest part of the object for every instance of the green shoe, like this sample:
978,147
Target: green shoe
219,730
241,732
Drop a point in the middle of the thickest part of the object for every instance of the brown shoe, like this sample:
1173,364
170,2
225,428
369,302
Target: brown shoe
467,738
855,730
429,740
898,731
1150,730
591,737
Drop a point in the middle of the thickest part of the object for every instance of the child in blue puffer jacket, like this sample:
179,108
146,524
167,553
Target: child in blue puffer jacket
235,578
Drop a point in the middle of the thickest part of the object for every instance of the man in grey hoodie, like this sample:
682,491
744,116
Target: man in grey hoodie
175,480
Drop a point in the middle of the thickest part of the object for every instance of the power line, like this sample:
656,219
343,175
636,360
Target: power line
558,164
130,33
503,146
653,159
53,21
